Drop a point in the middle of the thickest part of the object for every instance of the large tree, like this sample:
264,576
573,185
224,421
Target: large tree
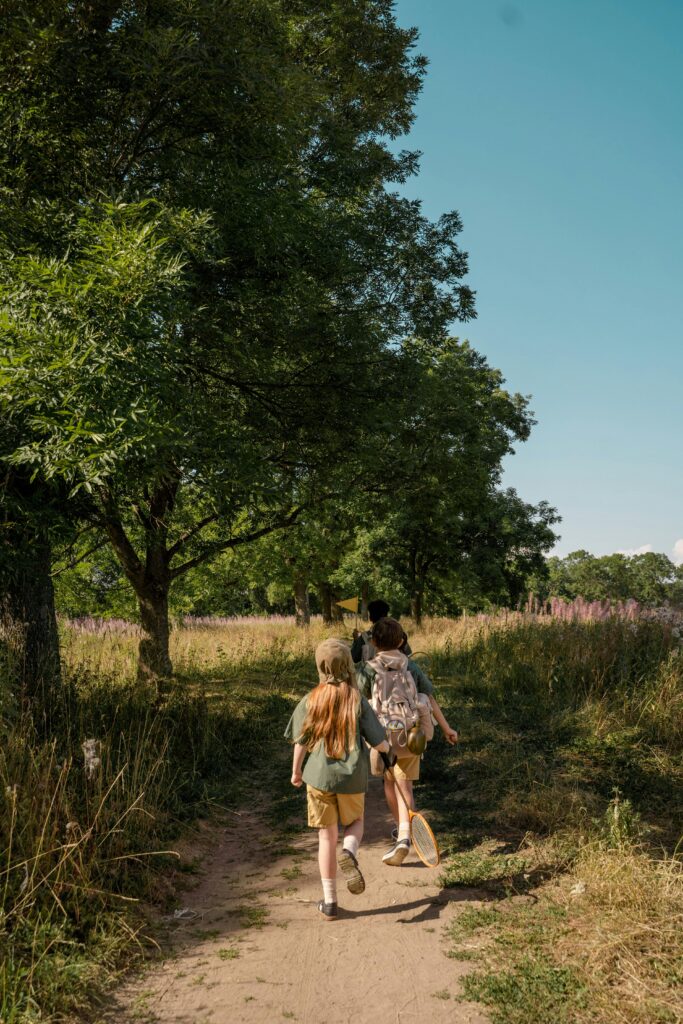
220,391
447,458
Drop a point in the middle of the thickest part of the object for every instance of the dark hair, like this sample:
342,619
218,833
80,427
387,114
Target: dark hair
387,634
378,610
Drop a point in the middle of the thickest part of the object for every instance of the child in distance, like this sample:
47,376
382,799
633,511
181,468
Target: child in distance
396,686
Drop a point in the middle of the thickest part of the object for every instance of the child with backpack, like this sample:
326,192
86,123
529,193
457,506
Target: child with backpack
362,648
328,728
402,697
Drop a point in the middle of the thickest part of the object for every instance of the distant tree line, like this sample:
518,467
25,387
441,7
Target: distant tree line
649,578
227,364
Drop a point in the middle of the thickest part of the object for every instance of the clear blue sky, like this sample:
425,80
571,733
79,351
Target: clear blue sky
555,128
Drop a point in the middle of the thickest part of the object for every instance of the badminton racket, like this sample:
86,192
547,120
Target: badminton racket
421,835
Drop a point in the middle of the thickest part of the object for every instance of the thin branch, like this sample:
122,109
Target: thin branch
73,563
72,544
234,542
184,537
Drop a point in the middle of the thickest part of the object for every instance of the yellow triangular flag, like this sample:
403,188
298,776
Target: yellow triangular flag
351,604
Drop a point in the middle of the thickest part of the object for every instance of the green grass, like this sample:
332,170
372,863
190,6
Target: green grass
470,921
481,868
78,852
228,954
291,874
534,990
569,774
253,917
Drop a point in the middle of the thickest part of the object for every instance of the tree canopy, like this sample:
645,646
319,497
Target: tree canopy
650,578
219,315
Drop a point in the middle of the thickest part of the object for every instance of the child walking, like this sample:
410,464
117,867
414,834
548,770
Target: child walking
395,686
362,648
329,725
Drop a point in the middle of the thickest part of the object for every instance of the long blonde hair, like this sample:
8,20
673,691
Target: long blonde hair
332,708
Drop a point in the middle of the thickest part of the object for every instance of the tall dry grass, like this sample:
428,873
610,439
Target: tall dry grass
553,710
573,758
88,818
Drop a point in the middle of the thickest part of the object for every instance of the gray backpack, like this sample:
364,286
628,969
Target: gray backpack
394,698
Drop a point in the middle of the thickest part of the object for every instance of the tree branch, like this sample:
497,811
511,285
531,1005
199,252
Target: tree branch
74,562
125,551
70,547
234,542
184,537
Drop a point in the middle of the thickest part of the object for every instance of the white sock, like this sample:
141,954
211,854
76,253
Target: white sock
329,890
351,843
404,830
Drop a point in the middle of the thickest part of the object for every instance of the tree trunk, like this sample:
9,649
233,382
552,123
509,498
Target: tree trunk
150,580
325,594
29,606
364,600
151,583
301,606
337,612
416,606
418,569
154,658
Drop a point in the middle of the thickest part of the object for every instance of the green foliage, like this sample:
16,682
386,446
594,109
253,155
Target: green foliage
649,578
91,582
208,277
79,846
442,529
621,826
576,880
534,991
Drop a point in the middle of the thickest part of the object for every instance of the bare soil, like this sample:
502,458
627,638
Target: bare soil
257,950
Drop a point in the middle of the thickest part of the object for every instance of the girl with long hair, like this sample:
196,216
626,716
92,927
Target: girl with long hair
328,729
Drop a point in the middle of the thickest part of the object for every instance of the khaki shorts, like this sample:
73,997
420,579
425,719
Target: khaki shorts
405,768
325,809
408,768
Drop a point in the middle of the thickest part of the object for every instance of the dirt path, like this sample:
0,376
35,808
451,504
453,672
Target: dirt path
258,952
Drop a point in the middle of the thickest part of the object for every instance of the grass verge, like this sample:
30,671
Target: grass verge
564,809
88,821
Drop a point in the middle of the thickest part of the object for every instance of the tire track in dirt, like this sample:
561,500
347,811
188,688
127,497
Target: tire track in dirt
259,952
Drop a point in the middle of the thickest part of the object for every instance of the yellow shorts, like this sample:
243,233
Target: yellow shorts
408,768
325,809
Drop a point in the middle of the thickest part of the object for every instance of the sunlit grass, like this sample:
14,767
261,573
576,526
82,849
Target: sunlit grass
554,712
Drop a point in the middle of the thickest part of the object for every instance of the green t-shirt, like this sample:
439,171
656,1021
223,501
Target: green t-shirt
350,774
365,673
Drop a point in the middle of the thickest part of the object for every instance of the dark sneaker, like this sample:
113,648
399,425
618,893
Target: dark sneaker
355,882
398,853
328,910
394,834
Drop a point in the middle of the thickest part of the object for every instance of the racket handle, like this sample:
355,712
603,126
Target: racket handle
389,764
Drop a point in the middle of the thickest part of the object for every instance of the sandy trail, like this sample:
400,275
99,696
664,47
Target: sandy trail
259,952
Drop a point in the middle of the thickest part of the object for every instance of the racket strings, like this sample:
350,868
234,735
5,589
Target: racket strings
423,840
